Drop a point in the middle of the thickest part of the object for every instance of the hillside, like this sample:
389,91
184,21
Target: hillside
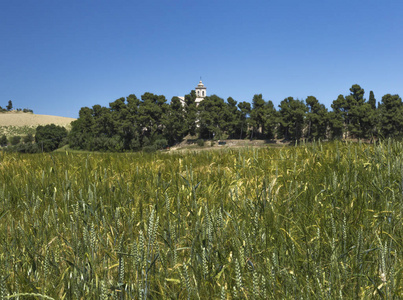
19,123
29,119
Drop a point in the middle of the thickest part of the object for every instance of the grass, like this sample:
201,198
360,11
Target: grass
314,221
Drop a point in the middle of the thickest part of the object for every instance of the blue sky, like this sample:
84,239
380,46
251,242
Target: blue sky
58,56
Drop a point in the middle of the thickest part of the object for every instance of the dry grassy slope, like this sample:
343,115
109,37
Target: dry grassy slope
20,124
32,120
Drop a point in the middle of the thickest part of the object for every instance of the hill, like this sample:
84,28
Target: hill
29,119
20,123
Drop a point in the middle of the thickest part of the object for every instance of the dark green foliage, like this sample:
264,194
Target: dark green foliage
176,127
129,124
211,121
263,117
9,105
50,137
29,138
232,118
190,116
3,141
317,119
391,116
200,142
336,125
271,120
149,148
244,112
257,116
27,148
160,143
372,100
292,118
14,140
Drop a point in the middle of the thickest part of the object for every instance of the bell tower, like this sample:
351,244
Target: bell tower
200,92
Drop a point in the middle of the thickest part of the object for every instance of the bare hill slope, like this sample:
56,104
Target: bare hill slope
32,120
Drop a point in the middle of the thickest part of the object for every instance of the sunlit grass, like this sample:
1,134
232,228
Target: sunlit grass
312,221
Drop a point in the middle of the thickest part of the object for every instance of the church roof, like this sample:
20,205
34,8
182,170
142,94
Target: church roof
200,85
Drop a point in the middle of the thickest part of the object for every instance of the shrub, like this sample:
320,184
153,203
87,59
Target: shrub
149,149
15,140
27,148
50,137
28,139
200,142
3,140
160,143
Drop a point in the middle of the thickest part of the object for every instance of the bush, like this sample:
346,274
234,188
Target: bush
149,149
50,137
28,139
200,142
15,140
27,148
160,144
3,141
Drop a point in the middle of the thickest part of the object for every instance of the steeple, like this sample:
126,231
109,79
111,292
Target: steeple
200,92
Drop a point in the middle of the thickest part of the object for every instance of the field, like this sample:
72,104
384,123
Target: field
317,221
19,123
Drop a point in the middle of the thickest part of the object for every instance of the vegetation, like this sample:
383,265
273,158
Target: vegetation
9,107
50,137
17,130
312,221
133,124
47,138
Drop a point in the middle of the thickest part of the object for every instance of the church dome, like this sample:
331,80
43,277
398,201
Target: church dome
200,85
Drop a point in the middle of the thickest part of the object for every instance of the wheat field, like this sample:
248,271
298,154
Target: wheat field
317,221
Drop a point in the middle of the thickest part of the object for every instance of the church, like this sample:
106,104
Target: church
201,93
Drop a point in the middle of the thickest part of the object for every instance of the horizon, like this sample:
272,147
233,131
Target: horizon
61,56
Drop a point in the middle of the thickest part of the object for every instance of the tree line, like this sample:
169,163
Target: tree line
9,107
151,123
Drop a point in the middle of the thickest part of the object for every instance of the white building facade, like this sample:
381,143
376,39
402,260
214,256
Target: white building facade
201,93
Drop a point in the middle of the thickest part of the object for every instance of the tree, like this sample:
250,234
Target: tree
232,117
338,118
372,100
356,112
152,110
257,115
391,116
270,120
292,117
10,105
244,109
211,117
176,127
190,109
317,119
50,137
82,130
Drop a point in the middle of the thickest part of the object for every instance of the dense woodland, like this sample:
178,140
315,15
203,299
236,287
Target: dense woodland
150,122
